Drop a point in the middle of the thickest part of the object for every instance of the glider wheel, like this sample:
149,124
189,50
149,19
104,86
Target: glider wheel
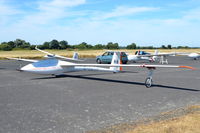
148,82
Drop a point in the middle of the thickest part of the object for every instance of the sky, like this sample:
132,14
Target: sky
144,22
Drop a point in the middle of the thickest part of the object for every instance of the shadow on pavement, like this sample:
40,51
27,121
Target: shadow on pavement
115,81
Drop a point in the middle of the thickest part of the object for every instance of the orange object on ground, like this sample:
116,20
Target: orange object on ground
120,61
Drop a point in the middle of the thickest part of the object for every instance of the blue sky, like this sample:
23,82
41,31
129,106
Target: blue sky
144,22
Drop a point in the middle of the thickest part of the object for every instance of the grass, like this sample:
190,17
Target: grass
82,53
179,121
189,123
36,54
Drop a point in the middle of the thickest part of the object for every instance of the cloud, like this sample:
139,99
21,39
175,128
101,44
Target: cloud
188,18
192,14
48,6
182,30
50,11
126,11
42,18
7,13
62,20
6,9
66,3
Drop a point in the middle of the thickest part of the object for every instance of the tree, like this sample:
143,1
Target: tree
89,46
32,47
169,46
25,45
150,47
11,44
163,47
5,47
46,45
131,46
182,47
111,45
83,45
99,46
54,44
64,44
19,43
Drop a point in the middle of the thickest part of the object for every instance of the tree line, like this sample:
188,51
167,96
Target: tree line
55,44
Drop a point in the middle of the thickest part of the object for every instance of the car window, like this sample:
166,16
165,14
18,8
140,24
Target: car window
106,53
123,54
146,53
110,53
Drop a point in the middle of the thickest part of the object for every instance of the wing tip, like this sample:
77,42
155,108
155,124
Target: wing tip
188,67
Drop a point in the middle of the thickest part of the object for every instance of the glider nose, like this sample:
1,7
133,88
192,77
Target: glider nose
27,67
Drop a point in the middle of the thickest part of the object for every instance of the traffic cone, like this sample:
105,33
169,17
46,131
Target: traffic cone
120,61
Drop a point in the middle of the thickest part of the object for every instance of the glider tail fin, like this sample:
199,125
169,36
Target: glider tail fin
115,61
156,52
75,56
155,58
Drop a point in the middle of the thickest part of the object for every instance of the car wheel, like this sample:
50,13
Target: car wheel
124,62
98,61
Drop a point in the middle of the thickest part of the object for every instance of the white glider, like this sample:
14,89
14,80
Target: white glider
139,55
194,56
56,67
156,57
161,57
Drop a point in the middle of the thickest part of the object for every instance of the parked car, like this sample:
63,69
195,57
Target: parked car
107,57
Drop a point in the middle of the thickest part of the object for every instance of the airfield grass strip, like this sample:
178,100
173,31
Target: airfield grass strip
33,54
184,120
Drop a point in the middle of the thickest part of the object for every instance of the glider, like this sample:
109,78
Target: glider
194,56
158,57
57,67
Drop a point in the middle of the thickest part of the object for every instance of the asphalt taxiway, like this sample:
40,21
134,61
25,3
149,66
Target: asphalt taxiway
82,101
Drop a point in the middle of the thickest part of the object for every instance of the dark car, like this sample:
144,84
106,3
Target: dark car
107,57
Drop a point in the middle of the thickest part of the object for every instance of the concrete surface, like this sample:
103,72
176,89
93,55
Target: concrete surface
83,101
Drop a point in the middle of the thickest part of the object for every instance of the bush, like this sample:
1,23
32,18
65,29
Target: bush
5,47
131,46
